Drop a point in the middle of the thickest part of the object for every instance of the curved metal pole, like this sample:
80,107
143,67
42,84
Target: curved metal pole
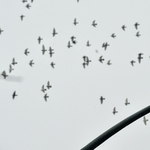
113,130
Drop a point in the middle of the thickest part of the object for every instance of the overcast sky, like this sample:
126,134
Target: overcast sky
73,115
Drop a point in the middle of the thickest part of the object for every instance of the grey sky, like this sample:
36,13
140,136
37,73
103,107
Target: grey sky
73,115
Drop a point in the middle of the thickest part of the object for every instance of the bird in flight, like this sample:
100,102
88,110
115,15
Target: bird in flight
43,89
73,40
26,52
48,85
88,44
45,97
4,74
69,45
14,94
22,16
52,64
145,120
132,62
84,63
113,35
114,111
28,6
108,63
101,59
51,51
94,23
86,60
126,102
43,50
13,61
24,1
123,27
140,57
75,22
39,39
138,34
1,31
101,99
10,69
136,25
31,63
54,32
105,45
31,1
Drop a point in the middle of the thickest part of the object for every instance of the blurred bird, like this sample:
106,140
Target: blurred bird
69,45
75,22
101,99
136,25
24,1
48,85
39,39
45,97
126,102
140,57
137,34
31,63
132,62
101,59
54,32
10,69
43,50
26,52
145,120
51,51
94,24
88,44
14,94
108,63
52,64
13,62
4,74
43,89
1,31
113,35
114,111
28,6
22,16
123,27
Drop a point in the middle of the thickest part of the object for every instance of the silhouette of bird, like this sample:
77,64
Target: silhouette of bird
28,6
39,39
138,34
54,32
52,64
101,99
108,63
10,69
1,30
4,74
132,62
126,102
140,57
101,59
136,25
14,94
26,52
94,23
22,16
88,44
123,27
31,63
113,35
75,22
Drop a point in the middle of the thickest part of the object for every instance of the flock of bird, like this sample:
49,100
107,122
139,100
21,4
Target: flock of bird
69,45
